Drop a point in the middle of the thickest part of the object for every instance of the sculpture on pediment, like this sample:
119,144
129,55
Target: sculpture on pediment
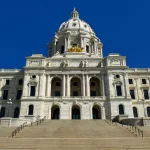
84,63
65,63
48,64
57,53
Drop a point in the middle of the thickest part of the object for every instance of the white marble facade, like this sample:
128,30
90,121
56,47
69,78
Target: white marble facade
75,81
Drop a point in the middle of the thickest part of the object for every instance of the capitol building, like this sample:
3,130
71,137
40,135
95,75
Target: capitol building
74,81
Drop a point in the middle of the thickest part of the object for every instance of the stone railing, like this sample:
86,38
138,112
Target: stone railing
38,121
133,129
20,128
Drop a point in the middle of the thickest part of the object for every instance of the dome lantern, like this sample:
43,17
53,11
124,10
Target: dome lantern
74,14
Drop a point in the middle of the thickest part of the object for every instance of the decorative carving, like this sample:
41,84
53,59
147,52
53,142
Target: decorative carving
57,53
85,102
34,63
65,63
84,63
48,64
115,62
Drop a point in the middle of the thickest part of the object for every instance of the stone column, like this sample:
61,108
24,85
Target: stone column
83,84
25,86
102,88
42,85
87,86
126,85
66,43
64,84
68,86
137,89
103,113
48,86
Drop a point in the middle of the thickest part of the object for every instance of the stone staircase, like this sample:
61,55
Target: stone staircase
75,135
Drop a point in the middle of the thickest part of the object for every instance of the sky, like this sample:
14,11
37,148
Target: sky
26,26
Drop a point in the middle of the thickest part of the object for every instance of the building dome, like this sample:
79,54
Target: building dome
75,23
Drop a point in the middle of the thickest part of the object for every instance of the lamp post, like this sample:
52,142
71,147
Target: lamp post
9,102
143,101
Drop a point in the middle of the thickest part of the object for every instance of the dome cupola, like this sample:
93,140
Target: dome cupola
75,33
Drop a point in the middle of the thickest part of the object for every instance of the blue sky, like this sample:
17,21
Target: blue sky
26,26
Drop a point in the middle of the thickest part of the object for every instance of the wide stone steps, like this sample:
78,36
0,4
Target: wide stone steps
6,131
74,129
75,143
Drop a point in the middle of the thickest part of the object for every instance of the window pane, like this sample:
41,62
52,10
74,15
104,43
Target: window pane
148,111
20,82
57,93
7,82
132,94
31,108
130,81
5,94
75,93
87,48
93,93
121,110
119,92
32,91
146,96
19,94
143,81
135,112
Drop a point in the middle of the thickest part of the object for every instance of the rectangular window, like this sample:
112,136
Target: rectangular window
146,95
75,93
93,93
19,94
7,82
87,48
118,90
143,81
20,82
5,94
132,94
130,81
32,91
57,93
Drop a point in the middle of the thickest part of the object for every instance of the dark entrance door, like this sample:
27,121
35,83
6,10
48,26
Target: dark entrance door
75,112
55,114
95,113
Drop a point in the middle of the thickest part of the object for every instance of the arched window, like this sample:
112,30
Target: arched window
135,113
75,87
56,87
31,109
121,109
2,112
148,111
94,87
16,112
118,90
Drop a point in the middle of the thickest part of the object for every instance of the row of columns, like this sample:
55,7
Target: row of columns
43,87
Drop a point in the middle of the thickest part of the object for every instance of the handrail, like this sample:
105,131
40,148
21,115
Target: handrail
18,129
133,129
39,121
